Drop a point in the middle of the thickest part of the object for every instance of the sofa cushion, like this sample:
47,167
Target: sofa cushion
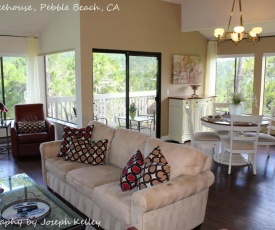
183,160
155,170
86,179
110,198
131,172
124,145
85,152
102,131
31,126
68,133
31,138
59,167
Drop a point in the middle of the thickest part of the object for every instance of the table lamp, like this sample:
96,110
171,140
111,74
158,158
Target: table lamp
3,109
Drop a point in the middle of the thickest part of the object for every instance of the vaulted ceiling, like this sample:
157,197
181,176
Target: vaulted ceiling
25,23
206,15
197,15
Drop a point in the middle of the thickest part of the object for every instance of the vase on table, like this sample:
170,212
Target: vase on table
236,109
132,115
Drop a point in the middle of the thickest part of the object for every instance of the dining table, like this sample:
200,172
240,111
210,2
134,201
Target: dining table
223,122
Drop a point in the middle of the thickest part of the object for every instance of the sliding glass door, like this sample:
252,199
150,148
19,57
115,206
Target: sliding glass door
126,88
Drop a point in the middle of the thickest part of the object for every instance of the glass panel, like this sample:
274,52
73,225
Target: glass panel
60,86
109,88
142,87
244,81
224,78
269,95
15,82
235,75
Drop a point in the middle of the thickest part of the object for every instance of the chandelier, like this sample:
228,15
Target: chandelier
238,32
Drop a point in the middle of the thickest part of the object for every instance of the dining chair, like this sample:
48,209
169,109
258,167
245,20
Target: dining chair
266,138
238,143
210,138
219,109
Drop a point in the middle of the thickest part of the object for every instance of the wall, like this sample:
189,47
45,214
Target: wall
266,45
138,25
13,46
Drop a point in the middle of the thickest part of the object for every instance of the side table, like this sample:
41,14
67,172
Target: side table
5,124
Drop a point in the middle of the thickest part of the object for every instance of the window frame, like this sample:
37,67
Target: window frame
70,113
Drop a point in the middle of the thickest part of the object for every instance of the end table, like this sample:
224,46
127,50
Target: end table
5,124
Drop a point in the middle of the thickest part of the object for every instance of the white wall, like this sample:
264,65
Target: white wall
13,46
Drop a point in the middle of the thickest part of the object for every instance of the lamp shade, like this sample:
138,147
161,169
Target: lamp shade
236,37
238,29
3,109
252,34
219,32
257,30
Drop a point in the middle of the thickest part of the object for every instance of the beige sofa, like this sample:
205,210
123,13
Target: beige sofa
94,190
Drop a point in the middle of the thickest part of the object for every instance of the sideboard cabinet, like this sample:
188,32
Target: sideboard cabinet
178,121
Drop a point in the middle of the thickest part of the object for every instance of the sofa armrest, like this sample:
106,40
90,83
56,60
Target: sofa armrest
48,150
161,195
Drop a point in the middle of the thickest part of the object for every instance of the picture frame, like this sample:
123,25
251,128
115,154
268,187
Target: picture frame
187,69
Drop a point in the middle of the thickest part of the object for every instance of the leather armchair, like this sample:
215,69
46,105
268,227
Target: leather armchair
27,144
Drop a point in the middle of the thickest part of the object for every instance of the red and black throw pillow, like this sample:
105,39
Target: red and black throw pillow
131,172
68,133
85,152
31,126
155,170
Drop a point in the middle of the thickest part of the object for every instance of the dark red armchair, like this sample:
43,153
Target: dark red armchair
29,129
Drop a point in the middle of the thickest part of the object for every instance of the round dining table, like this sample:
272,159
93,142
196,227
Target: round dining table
223,123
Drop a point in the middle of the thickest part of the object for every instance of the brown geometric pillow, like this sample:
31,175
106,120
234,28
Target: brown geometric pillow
97,152
156,170
31,126
84,152
68,133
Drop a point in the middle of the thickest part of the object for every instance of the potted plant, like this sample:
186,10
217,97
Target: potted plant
132,110
236,103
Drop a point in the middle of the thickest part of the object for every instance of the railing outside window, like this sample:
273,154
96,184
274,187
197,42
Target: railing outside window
105,106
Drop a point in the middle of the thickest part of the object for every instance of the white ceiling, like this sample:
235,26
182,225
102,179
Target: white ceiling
197,15
206,15
21,23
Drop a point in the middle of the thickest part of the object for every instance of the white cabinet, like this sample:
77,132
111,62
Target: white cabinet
178,122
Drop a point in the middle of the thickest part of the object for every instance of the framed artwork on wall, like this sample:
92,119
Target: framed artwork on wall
187,69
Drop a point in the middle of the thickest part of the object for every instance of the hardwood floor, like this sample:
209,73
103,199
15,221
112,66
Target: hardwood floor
236,202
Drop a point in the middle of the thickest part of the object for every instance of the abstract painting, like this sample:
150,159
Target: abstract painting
187,69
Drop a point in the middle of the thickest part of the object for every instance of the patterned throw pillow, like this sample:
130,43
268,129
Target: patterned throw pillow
131,172
84,152
68,133
31,126
156,170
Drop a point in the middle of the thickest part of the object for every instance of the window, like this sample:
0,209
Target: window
235,74
269,85
60,85
13,83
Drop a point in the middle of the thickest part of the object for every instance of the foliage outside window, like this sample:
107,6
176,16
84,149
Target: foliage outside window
109,83
14,82
269,86
235,74
60,85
